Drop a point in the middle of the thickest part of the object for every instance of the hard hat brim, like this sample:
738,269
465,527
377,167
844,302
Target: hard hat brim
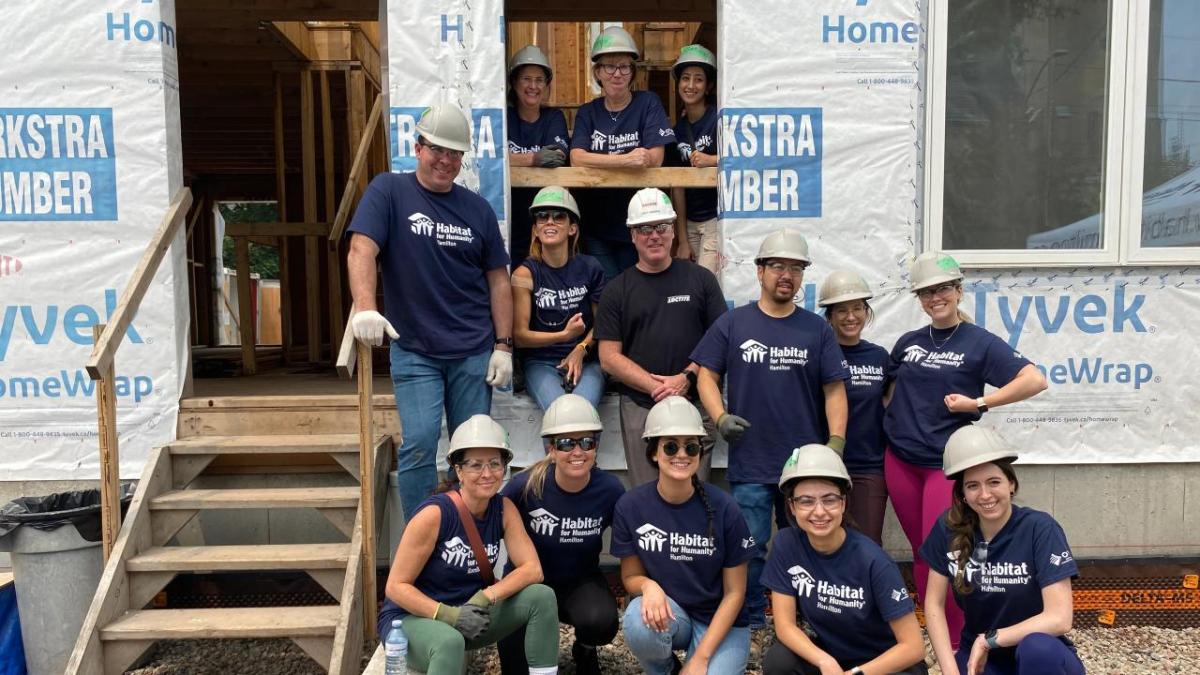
570,428
845,297
679,430
960,466
936,280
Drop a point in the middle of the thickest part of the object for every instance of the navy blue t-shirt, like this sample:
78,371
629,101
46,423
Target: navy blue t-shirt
672,543
451,575
701,136
848,597
567,528
917,421
774,372
434,251
558,294
1029,553
550,128
869,378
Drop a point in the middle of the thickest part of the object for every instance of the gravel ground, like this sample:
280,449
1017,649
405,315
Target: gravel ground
1105,651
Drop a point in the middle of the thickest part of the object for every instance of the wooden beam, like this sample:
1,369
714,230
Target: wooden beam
356,169
348,352
312,266
577,177
277,229
241,248
611,10
110,456
285,286
333,261
366,464
295,36
139,282
356,120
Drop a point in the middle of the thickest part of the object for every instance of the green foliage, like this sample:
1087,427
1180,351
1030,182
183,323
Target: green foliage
264,260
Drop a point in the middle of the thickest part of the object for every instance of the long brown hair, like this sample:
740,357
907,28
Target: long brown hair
697,484
535,244
964,523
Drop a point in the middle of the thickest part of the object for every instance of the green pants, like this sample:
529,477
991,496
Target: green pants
438,649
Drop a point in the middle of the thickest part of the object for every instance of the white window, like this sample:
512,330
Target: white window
1064,131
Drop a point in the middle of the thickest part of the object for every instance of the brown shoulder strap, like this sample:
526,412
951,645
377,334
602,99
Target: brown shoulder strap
468,521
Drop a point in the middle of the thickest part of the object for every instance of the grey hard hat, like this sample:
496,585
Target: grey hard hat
783,243
843,286
570,413
971,446
813,461
479,431
553,196
445,124
932,268
695,55
530,55
614,40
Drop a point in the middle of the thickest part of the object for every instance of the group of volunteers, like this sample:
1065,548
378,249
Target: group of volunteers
823,428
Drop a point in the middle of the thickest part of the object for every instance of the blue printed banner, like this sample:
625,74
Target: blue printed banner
57,164
770,162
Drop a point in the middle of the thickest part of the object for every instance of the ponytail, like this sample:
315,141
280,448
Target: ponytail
537,477
708,509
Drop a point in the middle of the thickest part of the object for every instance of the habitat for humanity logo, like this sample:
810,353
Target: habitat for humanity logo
482,169
545,298
770,162
753,351
802,581
650,538
421,224
543,522
57,164
914,353
598,141
446,234
456,552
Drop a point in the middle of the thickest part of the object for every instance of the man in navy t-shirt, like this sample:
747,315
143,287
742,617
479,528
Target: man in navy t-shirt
786,376
445,285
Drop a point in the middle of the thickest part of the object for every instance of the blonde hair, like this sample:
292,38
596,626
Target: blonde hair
537,474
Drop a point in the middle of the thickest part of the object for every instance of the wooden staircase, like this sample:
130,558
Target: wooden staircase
119,627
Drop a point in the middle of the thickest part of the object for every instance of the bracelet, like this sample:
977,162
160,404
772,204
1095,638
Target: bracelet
585,345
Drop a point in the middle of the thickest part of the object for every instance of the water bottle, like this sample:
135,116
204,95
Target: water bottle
395,649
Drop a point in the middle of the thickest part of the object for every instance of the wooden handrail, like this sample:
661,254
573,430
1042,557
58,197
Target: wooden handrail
356,169
347,353
366,482
580,177
135,290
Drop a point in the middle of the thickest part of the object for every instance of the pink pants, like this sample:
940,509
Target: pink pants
919,496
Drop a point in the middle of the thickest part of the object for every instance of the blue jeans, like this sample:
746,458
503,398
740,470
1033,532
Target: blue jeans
654,649
544,382
424,386
756,501
614,256
1036,653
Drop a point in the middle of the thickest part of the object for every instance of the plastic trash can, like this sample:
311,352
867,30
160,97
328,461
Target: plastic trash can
57,563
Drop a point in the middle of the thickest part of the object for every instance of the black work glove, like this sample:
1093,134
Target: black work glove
732,427
550,157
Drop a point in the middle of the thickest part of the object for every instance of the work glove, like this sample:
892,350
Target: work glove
499,372
369,326
480,599
549,157
470,620
838,444
732,427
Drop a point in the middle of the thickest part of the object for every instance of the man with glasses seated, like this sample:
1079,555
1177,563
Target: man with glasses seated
650,318
785,377
448,305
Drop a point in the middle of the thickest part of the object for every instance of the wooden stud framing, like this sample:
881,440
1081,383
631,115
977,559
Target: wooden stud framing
285,292
312,265
110,456
357,169
574,177
245,307
332,252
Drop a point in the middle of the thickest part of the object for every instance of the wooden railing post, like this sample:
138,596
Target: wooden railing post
110,456
366,470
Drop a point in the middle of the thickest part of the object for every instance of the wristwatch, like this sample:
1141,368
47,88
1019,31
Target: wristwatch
856,671
980,405
506,341
691,378
993,642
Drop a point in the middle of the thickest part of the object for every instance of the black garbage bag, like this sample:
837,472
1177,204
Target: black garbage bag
80,508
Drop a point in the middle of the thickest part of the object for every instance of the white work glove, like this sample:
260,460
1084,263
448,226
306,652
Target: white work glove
499,368
369,326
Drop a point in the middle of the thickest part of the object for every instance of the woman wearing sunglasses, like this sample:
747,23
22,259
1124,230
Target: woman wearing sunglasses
939,375
567,502
1009,567
684,548
620,128
438,586
555,293
847,589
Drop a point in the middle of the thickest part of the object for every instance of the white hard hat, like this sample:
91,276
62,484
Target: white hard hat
695,55
673,416
932,268
813,461
445,125
843,286
553,196
783,243
570,413
971,446
649,205
530,55
479,431
614,40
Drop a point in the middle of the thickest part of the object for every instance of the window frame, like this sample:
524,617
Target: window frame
1123,152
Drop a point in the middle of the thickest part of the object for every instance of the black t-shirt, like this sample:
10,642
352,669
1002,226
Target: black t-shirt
659,318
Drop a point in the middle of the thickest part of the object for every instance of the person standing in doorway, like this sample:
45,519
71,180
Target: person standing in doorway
650,319
445,284
698,229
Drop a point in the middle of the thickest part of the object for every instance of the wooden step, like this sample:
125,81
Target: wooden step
268,445
241,558
257,498
243,622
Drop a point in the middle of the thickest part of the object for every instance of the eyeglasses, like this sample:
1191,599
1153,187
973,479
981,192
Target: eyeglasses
441,153
547,216
476,467
672,448
587,444
651,228
828,502
796,269
613,69
941,291
532,81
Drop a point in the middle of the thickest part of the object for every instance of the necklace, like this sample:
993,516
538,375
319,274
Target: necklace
951,335
614,116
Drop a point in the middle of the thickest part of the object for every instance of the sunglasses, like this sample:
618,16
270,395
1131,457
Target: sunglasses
548,216
672,448
441,153
587,444
652,228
